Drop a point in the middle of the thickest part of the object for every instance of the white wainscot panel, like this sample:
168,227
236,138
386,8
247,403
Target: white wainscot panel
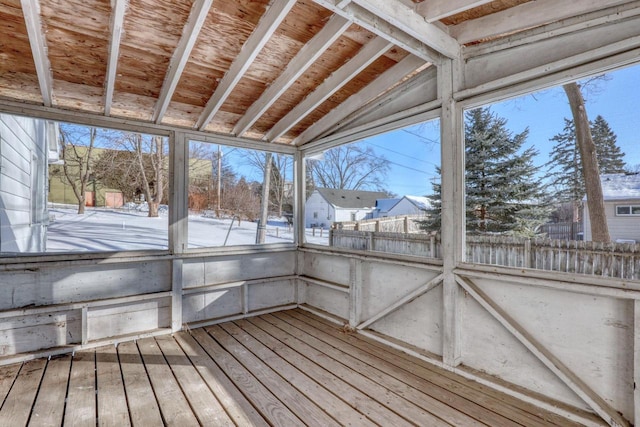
129,318
22,334
271,294
212,304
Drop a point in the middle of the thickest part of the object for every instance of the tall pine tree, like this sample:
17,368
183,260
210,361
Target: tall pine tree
565,165
503,193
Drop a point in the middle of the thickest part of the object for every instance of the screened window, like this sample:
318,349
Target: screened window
239,196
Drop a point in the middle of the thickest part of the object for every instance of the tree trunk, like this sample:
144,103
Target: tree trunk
590,170
264,203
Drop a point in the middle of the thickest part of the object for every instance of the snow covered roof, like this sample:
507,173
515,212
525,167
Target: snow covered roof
620,186
383,205
422,203
350,198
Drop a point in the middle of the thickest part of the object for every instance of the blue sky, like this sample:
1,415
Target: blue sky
414,152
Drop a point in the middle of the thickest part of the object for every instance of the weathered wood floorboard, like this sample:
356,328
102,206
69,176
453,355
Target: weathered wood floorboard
283,369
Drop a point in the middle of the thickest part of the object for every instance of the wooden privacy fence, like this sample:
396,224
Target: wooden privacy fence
391,224
618,260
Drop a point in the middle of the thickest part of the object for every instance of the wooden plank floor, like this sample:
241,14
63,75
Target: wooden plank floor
283,369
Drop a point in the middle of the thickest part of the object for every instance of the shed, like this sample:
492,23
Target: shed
621,194
293,333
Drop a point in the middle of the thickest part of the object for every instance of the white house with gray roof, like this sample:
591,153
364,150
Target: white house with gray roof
622,207
326,205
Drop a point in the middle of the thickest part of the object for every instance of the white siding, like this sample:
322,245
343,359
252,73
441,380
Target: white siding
404,207
352,214
23,166
620,227
318,212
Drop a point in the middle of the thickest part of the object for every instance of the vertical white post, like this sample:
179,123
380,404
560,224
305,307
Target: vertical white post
355,292
453,221
636,361
178,192
178,216
85,324
176,295
299,182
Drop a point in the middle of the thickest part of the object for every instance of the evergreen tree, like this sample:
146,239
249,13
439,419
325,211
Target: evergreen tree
502,191
565,165
610,158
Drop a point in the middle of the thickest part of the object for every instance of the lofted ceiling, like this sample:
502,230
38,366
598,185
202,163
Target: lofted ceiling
282,71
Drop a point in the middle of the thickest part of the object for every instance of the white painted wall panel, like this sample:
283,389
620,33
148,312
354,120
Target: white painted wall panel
131,318
593,336
418,323
77,283
212,304
271,294
326,299
330,268
22,334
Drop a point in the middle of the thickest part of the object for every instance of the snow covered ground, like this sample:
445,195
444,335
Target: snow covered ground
116,230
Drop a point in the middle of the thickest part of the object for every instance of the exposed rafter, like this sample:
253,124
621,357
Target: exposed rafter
373,23
407,20
357,100
369,53
198,14
256,41
303,60
434,10
532,14
117,22
31,11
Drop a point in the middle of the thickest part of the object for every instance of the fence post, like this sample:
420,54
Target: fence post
331,237
527,253
406,224
377,226
370,245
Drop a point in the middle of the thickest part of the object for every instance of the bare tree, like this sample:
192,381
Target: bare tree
350,167
278,189
264,201
77,145
590,170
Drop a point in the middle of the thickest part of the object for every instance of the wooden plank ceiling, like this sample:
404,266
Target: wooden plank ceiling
258,69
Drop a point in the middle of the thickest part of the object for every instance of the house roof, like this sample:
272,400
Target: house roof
350,198
386,204
620,186
421,202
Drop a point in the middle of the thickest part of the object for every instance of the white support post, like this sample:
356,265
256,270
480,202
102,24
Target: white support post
85,324
178,192
636,361
176,295
355,292
299,188
453,222
178,216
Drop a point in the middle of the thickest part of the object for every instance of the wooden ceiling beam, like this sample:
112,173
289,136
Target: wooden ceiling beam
527,15
370,22
356,101
365,56
434,10
256,41
407,20
117,24
307,55
31,12
197,16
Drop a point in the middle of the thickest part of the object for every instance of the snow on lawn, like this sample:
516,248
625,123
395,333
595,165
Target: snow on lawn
115,230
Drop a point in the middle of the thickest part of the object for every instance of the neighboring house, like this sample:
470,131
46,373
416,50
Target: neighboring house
26,147
622,207
411,205
382,207
326,205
